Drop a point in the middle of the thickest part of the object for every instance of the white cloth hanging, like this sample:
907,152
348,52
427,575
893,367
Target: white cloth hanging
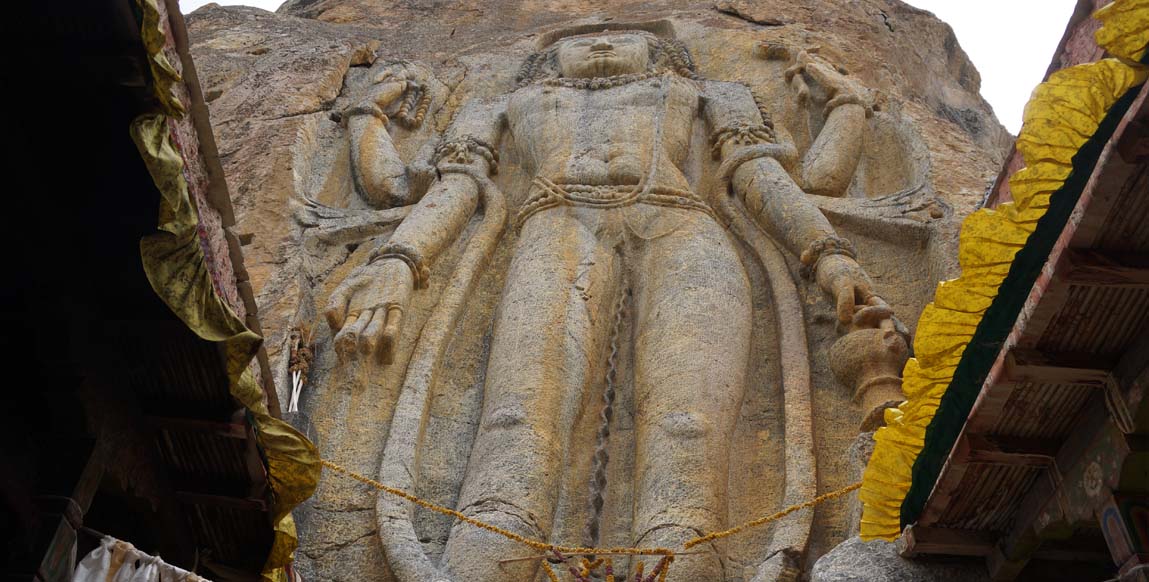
119,561
96,565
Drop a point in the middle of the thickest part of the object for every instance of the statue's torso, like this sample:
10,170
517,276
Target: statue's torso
606,136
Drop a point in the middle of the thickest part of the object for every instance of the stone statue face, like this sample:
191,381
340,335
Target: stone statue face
603,55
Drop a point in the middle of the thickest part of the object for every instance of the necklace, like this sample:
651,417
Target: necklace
594,83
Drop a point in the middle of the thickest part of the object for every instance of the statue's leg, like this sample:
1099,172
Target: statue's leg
550,339
692,346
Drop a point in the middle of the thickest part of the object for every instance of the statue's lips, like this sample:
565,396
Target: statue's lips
602,54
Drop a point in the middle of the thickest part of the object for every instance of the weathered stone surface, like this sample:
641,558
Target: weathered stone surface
320,179
878,561
859,456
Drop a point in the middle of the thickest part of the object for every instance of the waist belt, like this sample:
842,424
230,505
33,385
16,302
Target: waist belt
546,194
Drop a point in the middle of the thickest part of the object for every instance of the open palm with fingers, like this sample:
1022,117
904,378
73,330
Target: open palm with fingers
366,310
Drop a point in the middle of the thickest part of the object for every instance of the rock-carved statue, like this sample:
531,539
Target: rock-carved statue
617,223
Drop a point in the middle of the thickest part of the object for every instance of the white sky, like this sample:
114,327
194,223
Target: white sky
1011,42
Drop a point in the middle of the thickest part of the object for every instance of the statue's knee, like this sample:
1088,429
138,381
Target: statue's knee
704,562
501,514
684,425
506,417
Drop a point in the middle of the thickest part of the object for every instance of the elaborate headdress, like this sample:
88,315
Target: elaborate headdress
666,52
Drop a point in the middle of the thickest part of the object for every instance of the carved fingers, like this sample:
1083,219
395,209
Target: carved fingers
390,74
853,292
347,340
798,65
874,314
388,335
385,93
401,71
375,334
336,310
794,75
851,299
840,88
366,311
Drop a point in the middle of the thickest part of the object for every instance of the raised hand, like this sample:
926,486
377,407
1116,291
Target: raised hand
839,86
390,86
366,310
386,88
380,174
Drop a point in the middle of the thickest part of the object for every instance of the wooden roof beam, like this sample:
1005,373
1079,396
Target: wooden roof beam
1104,269
236,428
249,503
1028,365
233,429
998,450
921,540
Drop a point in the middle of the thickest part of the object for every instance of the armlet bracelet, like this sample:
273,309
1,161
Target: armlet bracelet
463,149
784,153
741,134
849,99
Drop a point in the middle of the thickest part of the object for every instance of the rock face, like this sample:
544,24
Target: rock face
373,150
858,561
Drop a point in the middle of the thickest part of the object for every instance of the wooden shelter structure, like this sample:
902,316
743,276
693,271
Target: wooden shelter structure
125,420
1048,477
1051,463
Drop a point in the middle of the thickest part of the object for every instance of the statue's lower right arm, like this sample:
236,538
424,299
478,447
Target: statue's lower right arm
366,310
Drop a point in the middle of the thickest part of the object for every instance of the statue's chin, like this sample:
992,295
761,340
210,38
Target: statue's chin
604,67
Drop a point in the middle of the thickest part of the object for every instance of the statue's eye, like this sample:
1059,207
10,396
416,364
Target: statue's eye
581,43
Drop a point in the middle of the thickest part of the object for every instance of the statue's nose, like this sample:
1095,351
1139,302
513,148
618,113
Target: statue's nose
601,44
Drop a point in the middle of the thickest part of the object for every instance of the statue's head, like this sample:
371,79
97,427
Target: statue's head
603,54
605,50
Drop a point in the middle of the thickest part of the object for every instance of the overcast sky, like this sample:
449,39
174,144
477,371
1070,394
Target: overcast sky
1011,42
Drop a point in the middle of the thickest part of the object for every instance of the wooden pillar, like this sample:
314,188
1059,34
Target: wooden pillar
1124,521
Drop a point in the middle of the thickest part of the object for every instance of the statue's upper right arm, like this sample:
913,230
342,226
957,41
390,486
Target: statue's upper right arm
482,119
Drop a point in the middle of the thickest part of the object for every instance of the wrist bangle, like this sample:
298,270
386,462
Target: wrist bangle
365,109
849,99
408,254
825,247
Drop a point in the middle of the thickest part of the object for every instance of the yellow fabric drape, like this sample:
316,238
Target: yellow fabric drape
1063,113
176,268
164,75
1124,28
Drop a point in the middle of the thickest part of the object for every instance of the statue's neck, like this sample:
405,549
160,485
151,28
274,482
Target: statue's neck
594,83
